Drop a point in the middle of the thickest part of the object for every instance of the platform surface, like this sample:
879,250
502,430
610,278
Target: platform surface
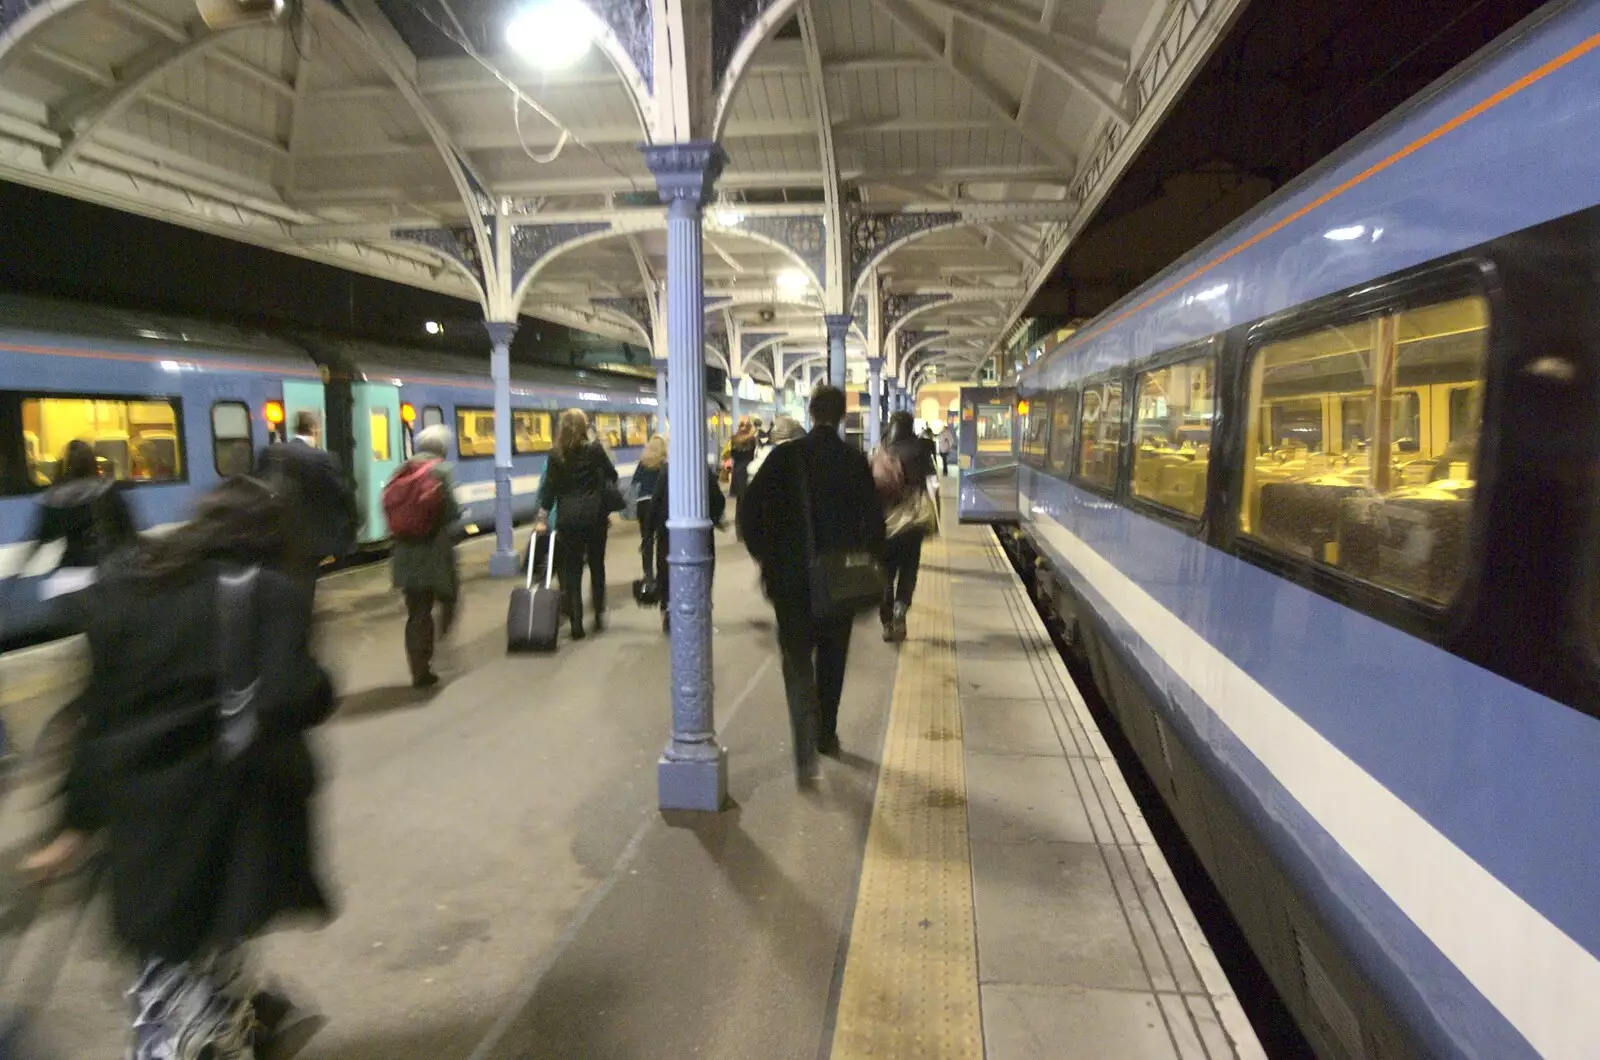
970,879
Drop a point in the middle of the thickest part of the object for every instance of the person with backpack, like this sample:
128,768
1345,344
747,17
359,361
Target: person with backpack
580,483
420,504
322,507
900,470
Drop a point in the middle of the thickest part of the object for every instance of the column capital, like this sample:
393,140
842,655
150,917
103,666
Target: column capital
501,331
875,364
685,172
838,323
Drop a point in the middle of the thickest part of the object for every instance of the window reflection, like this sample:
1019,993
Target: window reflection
1100,433
1172,434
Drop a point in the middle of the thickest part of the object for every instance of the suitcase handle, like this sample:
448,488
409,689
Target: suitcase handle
550,559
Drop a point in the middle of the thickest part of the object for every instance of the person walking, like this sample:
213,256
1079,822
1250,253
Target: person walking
908,516
88,514
947,448
646,480
192,761
575,484
717,507
424,562
321,506
833,481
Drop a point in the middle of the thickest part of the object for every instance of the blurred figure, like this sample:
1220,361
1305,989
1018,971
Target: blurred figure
321,507
784,429
88,514
575,485
716,506
192,760
742,450
425,563
905,516
646,480
836,482
947,448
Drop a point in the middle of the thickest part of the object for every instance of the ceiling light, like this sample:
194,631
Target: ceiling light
727,216
552,34
793,280
1344,235
433,327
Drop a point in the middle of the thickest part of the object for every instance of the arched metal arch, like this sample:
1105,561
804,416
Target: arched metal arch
455,263
882,255
759,32
810,358
899,325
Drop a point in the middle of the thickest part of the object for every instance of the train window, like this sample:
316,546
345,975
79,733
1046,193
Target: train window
1063,414
1100,433
1036,432
474,432
135,439
635,430
1362,445
432,416
232,447
608,426
1172,434
378,420
994,428
530,432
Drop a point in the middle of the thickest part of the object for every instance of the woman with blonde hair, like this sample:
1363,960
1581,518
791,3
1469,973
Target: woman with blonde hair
579,484
646,480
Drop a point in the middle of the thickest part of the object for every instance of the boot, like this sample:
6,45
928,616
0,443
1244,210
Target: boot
899,622
886,614
600,611
577,617
422,675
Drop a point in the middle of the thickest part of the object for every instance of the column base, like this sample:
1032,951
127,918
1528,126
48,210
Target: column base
504,564
684,784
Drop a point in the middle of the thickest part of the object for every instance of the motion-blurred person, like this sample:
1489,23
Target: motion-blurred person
575,485
743,450
835,482
646,480
420,500
322,508
88,514
192,760
947,448
906,516
717,507
784,429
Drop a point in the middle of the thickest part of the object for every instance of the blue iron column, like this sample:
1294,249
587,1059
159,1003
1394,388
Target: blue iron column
838,329
503,564
693,771
874,404
662,418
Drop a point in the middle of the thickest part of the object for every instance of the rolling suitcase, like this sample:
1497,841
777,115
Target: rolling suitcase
534,617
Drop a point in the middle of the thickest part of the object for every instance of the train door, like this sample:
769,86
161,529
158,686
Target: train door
375,430
300,396
987,451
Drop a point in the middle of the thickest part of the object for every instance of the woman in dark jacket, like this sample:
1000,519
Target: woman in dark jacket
88,515
575,484
206,816
646,480
902,552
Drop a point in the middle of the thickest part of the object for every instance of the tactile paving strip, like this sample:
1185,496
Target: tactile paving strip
910,985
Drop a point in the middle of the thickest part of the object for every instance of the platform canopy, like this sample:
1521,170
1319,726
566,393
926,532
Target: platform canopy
919,164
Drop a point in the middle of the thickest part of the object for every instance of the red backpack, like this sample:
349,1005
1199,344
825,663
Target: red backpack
413,500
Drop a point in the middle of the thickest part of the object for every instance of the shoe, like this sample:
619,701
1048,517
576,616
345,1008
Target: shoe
900,621
283,1028
829,746
807,771
425,680
577,631
599,621
888,631
666,621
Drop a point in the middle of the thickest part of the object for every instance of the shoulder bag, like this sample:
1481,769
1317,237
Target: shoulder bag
842,581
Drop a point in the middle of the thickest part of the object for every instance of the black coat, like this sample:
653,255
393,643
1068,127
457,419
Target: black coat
844,509
716,503
200,853
916,463
89,515
323,508
583,475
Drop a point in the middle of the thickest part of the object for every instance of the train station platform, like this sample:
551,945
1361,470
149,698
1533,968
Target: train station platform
971,877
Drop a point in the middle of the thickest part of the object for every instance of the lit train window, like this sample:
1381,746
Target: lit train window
474,432
1064,412
432,416
635,430
1362,446
378,421
1036,432
232,448
1172,434
608,426
135,439
530,432
1100,433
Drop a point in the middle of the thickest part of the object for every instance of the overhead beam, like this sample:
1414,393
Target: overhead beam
546,137
886,126
1007,18
932,41
835,293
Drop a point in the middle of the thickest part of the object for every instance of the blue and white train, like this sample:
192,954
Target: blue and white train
172,406
1320,508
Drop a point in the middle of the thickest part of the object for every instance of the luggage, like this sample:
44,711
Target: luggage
413,500
534,616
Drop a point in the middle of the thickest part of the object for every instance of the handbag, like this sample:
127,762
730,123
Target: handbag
915,512
611,498
842,581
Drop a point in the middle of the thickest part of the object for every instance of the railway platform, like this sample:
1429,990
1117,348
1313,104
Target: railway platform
971,877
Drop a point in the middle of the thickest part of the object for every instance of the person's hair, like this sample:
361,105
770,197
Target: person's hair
573,433
305,423
655,453
240,520
901,428
435,441
786,429
79,461
827,406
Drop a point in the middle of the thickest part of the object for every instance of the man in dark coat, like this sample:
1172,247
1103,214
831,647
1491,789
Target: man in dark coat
323,508
844,514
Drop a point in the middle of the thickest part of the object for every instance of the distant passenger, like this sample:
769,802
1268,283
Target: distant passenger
947,449
578,479
88,514
206,815
784,429
843,514
422,518
909,517
322,508
646,480
716,506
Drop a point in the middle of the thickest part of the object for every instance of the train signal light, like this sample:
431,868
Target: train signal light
408,414
274,413
1022,408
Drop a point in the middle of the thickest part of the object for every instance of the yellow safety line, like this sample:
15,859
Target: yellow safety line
911,976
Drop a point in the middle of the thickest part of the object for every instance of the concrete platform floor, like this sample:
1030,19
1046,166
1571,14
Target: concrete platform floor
507,888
